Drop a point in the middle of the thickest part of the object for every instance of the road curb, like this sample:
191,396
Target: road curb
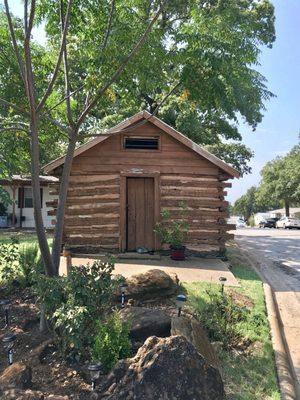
283,363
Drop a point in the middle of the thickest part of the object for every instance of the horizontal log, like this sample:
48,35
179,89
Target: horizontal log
90,169
78,220
189,192
153,158
189,184
205,248
194,203
51,213
96,209
90,190
91,229
201,212
109,179
92,199
104,241
91,249
183,177
52,203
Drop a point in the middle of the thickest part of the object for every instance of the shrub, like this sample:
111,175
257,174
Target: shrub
30,262
9,261
74,303
111,341
221,317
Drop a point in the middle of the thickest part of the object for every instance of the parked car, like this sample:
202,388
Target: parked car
288,223
240,223
268,223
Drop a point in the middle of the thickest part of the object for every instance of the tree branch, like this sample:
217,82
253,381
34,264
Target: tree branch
44,115
14,40
66,69
59,59
20,110
119,71
109,25
144,121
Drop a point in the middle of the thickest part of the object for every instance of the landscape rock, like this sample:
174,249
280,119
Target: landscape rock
192,330
154,283
16,376
146,322
164,369
17,394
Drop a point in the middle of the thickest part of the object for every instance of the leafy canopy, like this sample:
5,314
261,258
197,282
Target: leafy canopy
208,50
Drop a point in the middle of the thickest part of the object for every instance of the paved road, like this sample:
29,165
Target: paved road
277,253
282,246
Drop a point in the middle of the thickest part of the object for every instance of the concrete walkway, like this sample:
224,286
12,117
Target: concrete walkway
194,269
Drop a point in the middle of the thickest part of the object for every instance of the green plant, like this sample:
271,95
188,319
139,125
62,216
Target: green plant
9,261
74,303
111,341
30,262
173,232
221,317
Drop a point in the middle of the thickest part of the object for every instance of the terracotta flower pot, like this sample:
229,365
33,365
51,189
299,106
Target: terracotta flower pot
177,254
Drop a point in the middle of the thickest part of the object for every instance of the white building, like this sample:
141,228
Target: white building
20,211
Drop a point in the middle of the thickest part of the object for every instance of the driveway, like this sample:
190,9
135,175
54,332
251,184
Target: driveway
277,253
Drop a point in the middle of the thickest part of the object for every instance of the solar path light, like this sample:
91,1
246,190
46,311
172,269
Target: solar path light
123,287
180,300
8,343
95,370
222,279
5,304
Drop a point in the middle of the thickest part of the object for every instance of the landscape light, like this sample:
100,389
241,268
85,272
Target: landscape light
180,300
123,287
8,343
5,304
222,279
95,370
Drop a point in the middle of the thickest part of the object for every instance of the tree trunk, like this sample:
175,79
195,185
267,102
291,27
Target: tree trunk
63,190
36,193
287,208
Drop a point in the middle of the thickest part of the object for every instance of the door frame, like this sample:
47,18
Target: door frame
123,200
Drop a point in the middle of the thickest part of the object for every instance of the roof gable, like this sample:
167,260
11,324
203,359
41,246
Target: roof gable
139,119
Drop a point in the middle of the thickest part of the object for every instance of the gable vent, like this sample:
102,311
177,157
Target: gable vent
141,143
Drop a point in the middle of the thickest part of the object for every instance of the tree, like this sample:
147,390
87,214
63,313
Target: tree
246,205
281,180
103,55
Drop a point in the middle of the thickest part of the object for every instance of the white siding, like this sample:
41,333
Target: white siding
28,212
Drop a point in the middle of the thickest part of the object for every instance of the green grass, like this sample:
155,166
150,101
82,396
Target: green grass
23,237
250,375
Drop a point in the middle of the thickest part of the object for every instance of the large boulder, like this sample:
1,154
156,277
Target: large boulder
154,283
146,322
164,369
16,376
192,330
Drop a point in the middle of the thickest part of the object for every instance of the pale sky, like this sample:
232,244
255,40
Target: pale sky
279,130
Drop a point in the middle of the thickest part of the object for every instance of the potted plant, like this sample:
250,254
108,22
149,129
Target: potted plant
173,232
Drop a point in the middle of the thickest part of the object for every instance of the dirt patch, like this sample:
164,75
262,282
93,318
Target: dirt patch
240,299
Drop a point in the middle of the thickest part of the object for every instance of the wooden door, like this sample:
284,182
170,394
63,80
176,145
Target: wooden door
140,213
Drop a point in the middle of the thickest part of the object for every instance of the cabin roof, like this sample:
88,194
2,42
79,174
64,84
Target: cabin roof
26,180
137,120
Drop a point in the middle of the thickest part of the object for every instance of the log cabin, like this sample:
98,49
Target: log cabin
122,180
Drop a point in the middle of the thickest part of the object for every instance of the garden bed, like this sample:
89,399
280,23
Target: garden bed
245,349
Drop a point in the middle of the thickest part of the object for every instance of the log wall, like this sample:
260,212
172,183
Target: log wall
92,220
